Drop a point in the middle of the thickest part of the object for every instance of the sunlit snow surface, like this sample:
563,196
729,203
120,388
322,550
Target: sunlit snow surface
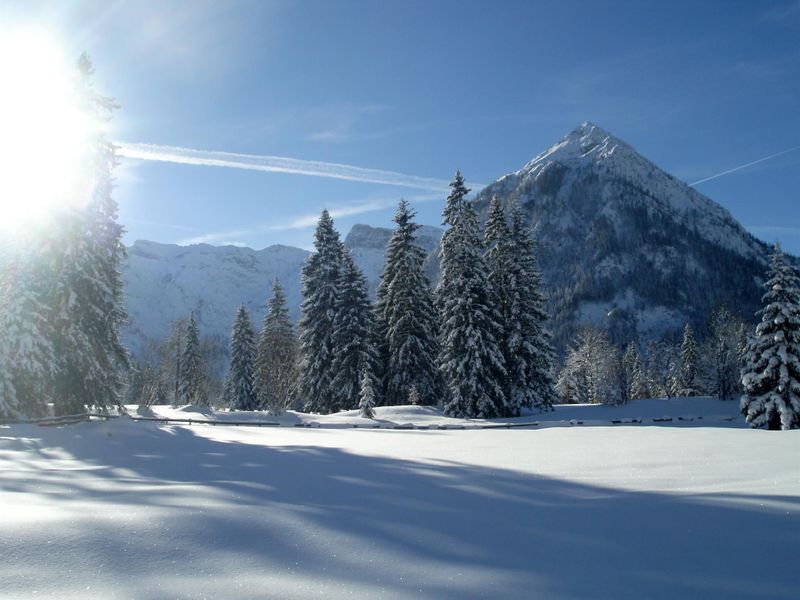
138,510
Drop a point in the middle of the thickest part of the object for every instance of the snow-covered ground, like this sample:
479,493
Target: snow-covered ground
679,411
680,509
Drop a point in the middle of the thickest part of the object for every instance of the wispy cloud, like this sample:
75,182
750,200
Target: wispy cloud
306,220
744,166
279,164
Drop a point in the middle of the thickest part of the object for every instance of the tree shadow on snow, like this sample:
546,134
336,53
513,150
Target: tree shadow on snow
220,511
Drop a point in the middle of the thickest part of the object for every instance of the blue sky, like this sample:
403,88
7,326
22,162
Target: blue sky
423,88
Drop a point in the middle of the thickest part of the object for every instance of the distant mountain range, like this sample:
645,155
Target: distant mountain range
621,243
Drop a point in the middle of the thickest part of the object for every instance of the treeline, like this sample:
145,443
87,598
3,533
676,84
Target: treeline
477,344
762,369
598,371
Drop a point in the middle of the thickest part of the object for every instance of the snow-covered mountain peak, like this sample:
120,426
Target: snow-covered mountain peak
615,231
587,143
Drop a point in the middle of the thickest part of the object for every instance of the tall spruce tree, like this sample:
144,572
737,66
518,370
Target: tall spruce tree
471,357
320,277
240,383
516,282
276,359
192,383
405,318
353,350
724,354
87,303
26,356
689,360
636,377
771,375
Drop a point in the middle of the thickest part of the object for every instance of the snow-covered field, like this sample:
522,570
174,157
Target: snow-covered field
680,509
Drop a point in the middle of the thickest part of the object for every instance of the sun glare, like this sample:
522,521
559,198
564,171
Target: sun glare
44,132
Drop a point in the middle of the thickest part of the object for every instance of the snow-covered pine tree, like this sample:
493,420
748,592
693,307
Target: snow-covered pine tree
529,349
503,279
630,360
689,360
241,375
192,383
26,356
471,357
637,378
353,351
366,402
771,375
405,318
723,354
276,358
320,277
88,303
663,369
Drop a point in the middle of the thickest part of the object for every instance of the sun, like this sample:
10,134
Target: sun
44,129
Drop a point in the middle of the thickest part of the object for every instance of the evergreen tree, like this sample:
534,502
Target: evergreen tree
689,360
529,354
241,390
320,277
87,303
405,317
471,357
771,375
276,360
26,356
353,352
192,383
630,360
724,353
637,378
366,402
171,352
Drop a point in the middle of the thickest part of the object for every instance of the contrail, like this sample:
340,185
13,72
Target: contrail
278,164
305,220
750,164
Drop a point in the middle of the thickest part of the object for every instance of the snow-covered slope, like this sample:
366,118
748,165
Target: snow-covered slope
164,282
620,239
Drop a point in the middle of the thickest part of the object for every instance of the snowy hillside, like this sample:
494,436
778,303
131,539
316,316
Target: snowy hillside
164,282
621,240
137,510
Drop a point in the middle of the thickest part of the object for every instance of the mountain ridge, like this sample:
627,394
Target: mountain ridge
615,235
